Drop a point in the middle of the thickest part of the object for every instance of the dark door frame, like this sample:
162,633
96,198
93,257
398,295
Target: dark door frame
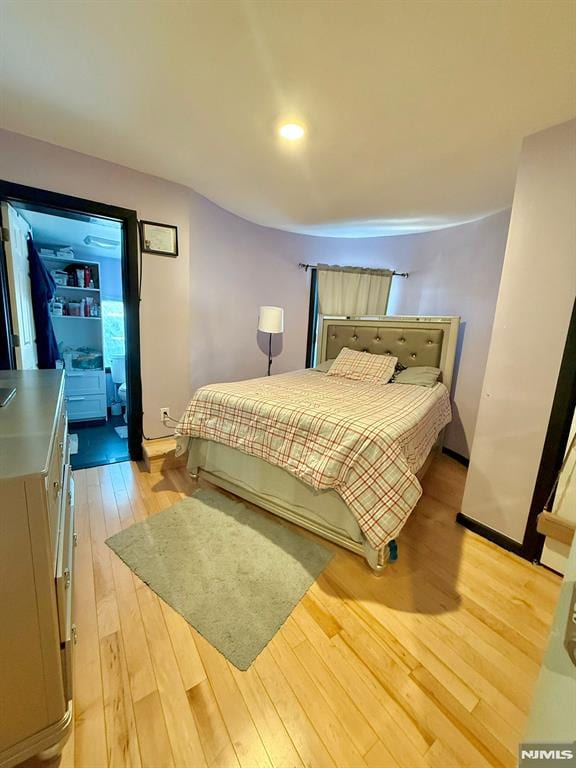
36,198
7,361
555,443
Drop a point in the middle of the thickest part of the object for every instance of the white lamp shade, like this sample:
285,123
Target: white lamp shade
271,320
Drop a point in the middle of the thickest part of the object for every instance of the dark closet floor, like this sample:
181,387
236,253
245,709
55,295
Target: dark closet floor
98,444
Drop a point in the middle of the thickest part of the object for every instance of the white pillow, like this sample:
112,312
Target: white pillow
363,366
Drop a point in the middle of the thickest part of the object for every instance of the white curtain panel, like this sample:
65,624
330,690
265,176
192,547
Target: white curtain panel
353,291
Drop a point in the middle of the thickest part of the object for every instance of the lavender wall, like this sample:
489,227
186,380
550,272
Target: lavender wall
456,271
535,304
199,311
236,266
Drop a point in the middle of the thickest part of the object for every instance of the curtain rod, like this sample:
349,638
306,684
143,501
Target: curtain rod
306,267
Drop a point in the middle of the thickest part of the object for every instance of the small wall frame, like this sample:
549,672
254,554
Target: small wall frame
159,239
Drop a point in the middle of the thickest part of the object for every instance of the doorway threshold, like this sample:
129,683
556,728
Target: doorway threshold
99,444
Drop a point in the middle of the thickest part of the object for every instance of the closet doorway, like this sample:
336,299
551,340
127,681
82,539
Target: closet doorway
76,263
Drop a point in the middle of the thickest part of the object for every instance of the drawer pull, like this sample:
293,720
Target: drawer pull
75,398
74,634
67,578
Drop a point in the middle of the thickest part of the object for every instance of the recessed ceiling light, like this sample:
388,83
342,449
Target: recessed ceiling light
291,131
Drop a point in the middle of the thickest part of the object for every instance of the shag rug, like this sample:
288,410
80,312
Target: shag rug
233,573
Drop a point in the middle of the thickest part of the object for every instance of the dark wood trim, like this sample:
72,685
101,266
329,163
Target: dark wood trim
312,317
33,197
490,534
131,294
40,198
7,358
555,444
456,456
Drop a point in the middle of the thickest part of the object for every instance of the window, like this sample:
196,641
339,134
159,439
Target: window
113,330
347,292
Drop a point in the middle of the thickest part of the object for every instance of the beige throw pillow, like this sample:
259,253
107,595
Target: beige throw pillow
363,366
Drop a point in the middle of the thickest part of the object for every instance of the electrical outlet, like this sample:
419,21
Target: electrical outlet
164,414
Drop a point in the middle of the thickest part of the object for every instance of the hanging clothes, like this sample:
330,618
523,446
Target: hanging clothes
43,289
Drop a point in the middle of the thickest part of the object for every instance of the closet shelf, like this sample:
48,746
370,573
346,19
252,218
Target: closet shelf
75,288
75,317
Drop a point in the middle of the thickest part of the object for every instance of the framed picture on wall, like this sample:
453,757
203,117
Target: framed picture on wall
161,239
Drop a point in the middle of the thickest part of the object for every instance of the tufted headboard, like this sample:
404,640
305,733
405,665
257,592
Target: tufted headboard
413,340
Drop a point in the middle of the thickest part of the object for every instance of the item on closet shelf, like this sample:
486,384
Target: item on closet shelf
71,271
59,276
67,360
80,273
74,308
90,307
59,302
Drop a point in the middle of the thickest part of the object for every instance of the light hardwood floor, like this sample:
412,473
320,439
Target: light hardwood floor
432,664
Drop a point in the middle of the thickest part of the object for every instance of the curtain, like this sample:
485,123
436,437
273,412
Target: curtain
353,291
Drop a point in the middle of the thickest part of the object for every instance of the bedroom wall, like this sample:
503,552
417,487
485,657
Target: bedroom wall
453,271
199,311
537,293
165,315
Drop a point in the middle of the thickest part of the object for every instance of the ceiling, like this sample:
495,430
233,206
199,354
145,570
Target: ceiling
415,110
52,230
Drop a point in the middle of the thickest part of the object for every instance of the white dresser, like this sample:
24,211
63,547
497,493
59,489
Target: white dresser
37,542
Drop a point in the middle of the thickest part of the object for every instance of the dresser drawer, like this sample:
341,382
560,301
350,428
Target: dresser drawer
65,557
65,584
81,407
54,478
85,383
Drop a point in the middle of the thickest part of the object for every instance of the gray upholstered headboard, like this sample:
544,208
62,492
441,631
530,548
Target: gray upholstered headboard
413,340
412,346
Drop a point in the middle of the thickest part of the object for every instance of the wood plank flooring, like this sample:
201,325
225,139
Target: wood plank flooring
431,664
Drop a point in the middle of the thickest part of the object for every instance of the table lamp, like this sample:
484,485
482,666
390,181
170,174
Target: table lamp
270,320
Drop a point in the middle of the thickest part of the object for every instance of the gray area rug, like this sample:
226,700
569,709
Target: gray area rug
234,574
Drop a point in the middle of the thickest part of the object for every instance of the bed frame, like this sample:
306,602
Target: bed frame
414,340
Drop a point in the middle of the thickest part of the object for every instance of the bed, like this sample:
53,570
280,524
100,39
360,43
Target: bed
340,458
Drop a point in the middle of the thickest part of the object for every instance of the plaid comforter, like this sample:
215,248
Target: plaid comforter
365,441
